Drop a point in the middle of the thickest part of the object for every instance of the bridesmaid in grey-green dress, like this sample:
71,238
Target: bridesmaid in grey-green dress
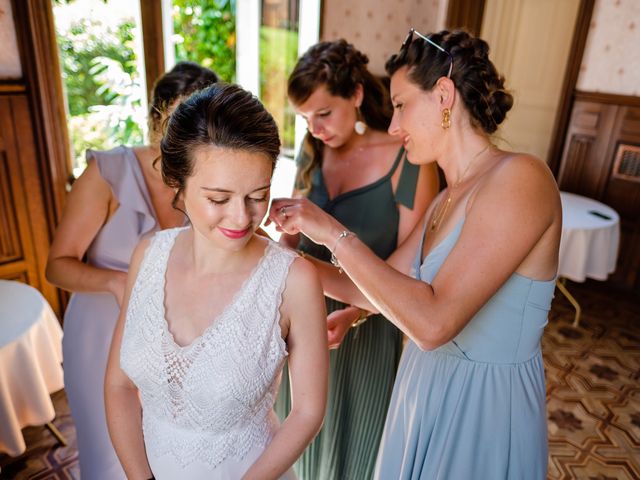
354,171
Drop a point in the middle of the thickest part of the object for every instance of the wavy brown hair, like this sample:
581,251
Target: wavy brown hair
340,67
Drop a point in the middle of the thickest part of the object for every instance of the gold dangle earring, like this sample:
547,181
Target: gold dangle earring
360,127
446,118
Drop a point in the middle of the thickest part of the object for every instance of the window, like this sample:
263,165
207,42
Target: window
252,42
204,32
100,45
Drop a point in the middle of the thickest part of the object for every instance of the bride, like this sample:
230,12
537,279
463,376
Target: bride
212,310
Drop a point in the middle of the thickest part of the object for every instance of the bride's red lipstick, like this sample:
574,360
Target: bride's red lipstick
235,234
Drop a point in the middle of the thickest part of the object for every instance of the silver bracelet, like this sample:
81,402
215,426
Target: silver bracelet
334,260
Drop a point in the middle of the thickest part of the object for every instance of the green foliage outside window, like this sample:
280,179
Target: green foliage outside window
80,49
205,32
278,56
103,88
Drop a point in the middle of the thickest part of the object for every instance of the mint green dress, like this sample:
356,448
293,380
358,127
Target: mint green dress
363,369
474,408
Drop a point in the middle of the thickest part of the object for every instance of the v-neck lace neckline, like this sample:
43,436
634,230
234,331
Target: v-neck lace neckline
218,321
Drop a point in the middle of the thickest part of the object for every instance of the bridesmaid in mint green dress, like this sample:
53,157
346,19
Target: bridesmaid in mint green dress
471,286
360,176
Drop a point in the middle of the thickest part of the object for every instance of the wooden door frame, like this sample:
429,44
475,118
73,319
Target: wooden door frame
41,78
467,12
152,41
567,95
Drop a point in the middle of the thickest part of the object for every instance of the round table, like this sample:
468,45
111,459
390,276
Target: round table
590,238
589,242
30,363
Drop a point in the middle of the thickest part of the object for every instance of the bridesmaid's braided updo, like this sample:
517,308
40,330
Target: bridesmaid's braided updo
474,75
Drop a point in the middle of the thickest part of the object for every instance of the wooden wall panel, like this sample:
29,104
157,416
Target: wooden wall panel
599,125
35,107
24,240
578,150
10,247
584,165
44,90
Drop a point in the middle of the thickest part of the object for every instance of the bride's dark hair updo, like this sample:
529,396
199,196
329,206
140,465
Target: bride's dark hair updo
223,115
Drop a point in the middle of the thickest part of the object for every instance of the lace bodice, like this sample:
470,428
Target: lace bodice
213,399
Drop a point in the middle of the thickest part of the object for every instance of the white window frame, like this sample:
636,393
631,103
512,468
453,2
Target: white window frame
248,16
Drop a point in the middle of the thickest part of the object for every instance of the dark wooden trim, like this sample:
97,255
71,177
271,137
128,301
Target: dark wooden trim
12,88
153,41
35,205
466,14
578,42
321,20
608,98
42,81
41,69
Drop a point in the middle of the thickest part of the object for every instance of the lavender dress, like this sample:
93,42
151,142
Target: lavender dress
91,317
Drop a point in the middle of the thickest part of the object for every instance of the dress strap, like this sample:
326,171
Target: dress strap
417,261
406,190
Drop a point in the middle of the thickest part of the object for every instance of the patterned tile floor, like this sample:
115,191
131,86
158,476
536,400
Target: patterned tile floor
593,397
45,459
593,387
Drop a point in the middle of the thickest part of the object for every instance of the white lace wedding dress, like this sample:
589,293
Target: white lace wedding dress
208,406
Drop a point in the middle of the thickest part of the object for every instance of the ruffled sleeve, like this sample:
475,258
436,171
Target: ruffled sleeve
119,167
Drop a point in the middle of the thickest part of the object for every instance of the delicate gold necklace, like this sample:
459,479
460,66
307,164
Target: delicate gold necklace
443,207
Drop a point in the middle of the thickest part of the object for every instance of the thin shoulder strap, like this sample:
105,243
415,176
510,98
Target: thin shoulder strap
417,261
406,189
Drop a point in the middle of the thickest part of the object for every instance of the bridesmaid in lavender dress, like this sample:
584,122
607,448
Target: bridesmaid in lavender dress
119,198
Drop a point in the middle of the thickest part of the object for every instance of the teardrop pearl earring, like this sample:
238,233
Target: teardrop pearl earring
360,127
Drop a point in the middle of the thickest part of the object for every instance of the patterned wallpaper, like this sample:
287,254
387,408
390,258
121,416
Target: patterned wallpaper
378,28
9,56
611,62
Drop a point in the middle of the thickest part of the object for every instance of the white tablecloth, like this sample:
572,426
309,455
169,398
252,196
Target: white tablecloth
30,362
589,244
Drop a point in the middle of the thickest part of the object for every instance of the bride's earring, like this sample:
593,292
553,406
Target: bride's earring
360,127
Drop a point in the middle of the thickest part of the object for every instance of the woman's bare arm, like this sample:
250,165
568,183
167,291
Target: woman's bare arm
339,285
308,370
510,214
85,213
124,412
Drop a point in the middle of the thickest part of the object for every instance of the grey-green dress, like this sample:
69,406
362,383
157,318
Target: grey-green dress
363,369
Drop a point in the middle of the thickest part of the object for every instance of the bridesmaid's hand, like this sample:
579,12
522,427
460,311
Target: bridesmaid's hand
300,215
339,323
